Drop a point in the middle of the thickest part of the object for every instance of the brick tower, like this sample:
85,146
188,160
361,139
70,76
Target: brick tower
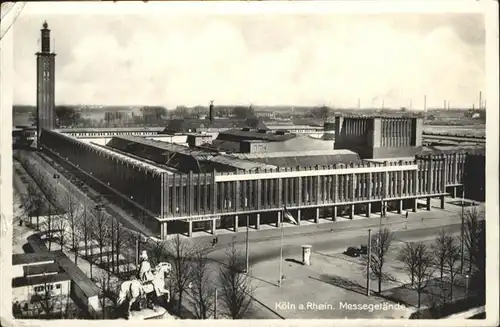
45,72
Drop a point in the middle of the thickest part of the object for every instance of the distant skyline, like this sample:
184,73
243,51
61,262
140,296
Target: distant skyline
274,59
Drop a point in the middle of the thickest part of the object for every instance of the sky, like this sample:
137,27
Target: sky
267,59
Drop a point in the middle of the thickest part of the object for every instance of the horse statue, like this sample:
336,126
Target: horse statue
152,289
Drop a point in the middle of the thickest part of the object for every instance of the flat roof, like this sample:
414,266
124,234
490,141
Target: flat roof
39,269
282,154
109,129
29,258
392,159
37,280
128,158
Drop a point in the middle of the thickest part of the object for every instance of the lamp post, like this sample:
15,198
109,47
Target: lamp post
467,285
281,249
369,262
462,227
247,253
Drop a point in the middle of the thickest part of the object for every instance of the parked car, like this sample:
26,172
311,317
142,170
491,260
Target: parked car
352,252
363,249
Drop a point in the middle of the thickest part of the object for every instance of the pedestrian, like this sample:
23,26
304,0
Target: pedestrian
217,240
406,214
213,242
422,219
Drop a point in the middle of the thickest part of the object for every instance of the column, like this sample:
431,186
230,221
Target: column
351,212
453,191
316,218
278,220
190,228
368,209
236,223
214,225
415,204
441,198
257,221
163,231
369,186
400,206
334,213
429,203
299,212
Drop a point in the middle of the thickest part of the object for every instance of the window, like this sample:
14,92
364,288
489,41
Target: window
58,286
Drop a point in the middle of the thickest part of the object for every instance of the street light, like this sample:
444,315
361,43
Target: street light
462,227
247,241
467,285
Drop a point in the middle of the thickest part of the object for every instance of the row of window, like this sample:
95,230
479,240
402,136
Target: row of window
112,133
46,288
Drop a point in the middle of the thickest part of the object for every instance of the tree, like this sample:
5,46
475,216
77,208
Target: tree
118,244
472,231
479,261
241,112
158,253
100,230
440,249
201,293
85,228
49,223
45,299
60,224
417,260
452,261
67,116
236,290
381,243
181,254
321,112
103,281
33,203
73,215
153,115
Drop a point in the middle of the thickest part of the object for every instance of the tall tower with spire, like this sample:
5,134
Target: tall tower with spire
45,72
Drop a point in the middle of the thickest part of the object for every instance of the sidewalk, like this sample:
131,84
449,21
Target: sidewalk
343,228
332,280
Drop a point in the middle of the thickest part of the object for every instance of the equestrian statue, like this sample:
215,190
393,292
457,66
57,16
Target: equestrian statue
149,284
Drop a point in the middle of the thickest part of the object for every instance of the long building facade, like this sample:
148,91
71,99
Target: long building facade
176,202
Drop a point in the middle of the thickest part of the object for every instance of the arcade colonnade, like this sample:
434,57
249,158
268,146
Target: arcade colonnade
183,202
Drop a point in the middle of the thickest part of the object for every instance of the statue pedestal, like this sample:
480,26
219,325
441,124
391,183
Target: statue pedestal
147,313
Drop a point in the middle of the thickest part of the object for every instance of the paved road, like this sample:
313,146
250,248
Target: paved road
333,242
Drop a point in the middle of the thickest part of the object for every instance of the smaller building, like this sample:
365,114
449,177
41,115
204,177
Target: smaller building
379,137
39,286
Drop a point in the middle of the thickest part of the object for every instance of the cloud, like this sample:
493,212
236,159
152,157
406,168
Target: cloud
267,59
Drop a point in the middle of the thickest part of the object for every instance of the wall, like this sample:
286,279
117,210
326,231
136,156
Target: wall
23,294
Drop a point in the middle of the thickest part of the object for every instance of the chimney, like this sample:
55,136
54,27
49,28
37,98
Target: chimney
211,111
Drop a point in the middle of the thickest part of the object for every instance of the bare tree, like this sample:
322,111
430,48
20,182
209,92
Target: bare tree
73,215
417,260
439,249
100,231
118,244
85,228
33,203
201,293
452,261
472,230
103,281
381,243
60,224
181,253
158,252
49,222
45,299
236,290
